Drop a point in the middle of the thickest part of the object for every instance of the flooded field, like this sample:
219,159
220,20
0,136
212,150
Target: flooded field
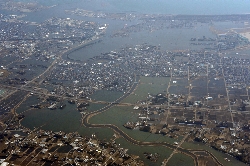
216,87
220,156
163,152
148,85
237,92
105,95
93,107
101,133
31,100
181,159
178,86
67,119
121,115
239,53
199,88
155,37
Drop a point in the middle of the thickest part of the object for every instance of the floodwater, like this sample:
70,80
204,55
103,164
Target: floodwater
69,119
168,39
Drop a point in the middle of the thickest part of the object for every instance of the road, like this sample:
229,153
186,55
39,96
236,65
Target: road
228,99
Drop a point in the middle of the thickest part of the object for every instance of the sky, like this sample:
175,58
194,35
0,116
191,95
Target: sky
184,6
200,7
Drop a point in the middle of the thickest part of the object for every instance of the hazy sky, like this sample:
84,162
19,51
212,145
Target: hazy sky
184,6
158,6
